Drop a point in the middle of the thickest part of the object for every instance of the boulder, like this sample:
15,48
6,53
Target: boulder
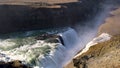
13,64
46,36
51,38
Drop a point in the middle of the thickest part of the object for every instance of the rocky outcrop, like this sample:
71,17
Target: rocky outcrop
46,36
101,55
51,38
22,15
13,64
105,54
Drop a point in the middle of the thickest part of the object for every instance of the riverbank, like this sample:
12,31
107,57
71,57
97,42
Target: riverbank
105,54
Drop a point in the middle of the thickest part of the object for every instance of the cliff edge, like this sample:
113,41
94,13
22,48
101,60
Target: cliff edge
103,54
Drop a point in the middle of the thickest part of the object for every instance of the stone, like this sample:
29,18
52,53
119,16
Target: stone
13,64
46,36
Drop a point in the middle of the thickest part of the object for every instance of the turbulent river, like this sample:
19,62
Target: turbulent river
39,53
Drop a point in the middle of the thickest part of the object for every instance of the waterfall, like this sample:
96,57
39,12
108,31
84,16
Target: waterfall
49,55
69,37
38,53
63,53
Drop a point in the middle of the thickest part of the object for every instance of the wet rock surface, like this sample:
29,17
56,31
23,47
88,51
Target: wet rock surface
13,64
51,38
45,36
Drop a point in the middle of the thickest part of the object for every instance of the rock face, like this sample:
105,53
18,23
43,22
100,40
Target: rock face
45,36
52,38
22,15
101,55
13,64
105,54
112,24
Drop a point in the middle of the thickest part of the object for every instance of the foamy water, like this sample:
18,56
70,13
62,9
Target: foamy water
39,53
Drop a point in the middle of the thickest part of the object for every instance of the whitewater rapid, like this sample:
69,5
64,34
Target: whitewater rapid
39,53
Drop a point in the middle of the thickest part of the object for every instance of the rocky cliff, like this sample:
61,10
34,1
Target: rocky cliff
111,24
104,54
21,15
101,55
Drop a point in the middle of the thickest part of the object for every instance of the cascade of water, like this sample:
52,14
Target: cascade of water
69,44
55,59
69,37
64,51
71,40
27,51
72,43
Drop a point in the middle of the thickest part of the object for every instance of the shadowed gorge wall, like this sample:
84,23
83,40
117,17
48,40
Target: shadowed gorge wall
29,17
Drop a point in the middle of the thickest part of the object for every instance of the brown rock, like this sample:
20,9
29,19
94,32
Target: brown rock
13,64
112,23
102,55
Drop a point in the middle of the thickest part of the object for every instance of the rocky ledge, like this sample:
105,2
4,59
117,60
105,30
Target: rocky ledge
102,55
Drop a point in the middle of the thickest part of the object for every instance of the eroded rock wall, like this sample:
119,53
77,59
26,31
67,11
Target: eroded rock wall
40,15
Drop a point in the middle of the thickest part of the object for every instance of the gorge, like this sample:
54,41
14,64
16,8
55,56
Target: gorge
48,36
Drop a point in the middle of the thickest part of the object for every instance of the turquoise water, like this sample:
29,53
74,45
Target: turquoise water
33,52
25,47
